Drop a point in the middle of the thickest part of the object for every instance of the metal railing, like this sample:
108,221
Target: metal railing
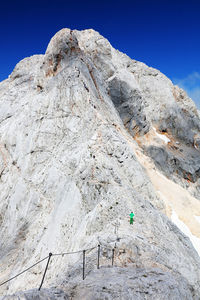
49,257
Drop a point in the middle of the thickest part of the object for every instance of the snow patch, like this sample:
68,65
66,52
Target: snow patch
162,136
181,225
197,218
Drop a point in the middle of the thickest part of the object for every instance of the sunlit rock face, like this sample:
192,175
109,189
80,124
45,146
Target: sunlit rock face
88,135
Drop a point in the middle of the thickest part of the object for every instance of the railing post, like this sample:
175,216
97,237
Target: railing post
83,264
113,253
98,257
50,254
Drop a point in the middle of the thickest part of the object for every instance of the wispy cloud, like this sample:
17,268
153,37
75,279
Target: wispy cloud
191,84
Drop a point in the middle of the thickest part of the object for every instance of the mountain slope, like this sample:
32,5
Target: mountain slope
80,132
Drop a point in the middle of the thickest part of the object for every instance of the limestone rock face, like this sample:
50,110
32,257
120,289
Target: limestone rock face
118,283
88,135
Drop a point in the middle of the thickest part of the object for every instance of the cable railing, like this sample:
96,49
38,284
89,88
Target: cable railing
49,257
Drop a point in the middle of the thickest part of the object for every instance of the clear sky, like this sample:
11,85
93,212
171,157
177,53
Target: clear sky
163,34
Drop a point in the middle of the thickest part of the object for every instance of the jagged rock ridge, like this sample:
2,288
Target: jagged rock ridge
78,126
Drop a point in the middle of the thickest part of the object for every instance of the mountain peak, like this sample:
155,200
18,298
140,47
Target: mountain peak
88,135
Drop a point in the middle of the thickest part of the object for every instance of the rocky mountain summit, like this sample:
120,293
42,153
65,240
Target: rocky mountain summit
88,135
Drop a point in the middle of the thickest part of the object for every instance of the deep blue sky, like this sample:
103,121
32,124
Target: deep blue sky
163,34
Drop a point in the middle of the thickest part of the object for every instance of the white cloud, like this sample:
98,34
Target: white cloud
191,84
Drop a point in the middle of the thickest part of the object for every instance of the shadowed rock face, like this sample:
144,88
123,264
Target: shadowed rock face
77,127
128,100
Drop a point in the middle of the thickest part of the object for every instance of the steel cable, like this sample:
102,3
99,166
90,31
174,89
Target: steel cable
56,254
24,271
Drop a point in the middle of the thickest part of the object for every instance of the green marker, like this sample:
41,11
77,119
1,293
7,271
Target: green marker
131,217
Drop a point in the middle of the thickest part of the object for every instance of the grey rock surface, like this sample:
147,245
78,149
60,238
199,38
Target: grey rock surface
117,283
50,294
128,283
73,123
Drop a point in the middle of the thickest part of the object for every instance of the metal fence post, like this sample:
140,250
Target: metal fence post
83,264
50,254
113,253
98,257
